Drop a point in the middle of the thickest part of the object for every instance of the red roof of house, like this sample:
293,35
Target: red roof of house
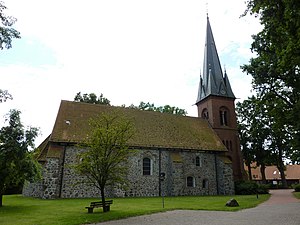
292,172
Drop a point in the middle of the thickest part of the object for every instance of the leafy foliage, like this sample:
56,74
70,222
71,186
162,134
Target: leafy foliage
7,33
265,138
276,68
254,130
296,187
16,161
250,188
104,161
91,98
163,109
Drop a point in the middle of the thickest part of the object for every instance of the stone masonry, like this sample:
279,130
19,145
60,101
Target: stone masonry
211,177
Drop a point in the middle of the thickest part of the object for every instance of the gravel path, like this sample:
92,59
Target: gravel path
281,209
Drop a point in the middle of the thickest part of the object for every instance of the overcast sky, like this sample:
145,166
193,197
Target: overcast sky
131,51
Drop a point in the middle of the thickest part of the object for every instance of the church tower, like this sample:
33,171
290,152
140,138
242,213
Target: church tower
215,102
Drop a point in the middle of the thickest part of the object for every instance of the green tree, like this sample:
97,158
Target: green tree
163,109
281,136
7,33
276,67
247,151
16,161
91,98
254,128
265,140
104,163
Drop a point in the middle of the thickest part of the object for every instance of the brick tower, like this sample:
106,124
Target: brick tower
215,103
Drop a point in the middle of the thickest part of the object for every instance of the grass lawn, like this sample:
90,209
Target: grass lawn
22,210
296,194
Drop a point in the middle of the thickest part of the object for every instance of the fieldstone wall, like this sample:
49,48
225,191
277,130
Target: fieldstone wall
225,177
176,182
140,185
48,187
33,189
73,185
52,178
60,180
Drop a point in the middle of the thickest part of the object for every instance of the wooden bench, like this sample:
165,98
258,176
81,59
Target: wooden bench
99,204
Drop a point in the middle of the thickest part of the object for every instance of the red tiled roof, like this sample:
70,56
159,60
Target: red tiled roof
292,172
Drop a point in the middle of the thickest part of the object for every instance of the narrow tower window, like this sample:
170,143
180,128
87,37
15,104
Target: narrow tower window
224,117
205,114
227,145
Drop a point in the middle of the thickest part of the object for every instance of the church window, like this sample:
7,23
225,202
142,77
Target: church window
223,116
205,114
198,161
190,182
146,166
205,183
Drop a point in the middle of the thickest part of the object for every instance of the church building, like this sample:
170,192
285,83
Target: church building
198,155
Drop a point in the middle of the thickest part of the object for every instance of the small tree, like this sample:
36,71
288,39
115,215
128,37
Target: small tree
16,161
104,163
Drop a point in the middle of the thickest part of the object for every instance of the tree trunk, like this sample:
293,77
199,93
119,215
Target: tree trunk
249,171
263,173
282,175
103,199
1,195
281,166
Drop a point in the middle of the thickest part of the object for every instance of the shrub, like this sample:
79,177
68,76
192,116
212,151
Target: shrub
250,188
296,187
263,189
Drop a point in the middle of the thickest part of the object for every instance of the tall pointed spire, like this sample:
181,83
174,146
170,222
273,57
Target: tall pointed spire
214,83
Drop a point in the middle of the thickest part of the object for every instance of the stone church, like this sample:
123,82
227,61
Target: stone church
198,155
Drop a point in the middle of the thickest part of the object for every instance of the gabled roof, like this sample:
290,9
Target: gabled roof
153,129
213,81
